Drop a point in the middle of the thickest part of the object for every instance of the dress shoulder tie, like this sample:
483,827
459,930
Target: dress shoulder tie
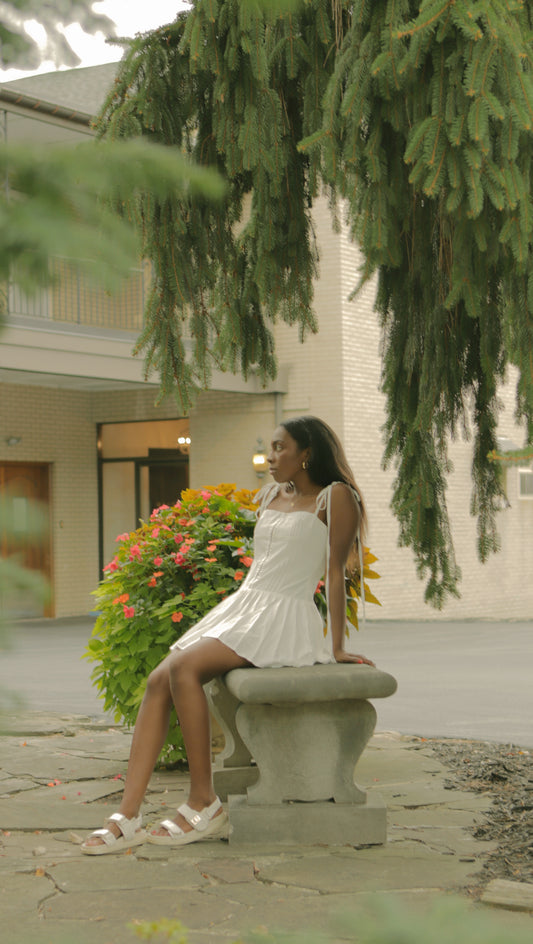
265,495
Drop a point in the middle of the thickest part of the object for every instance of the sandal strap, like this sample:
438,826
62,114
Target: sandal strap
108,837
128,827
199,819
171,827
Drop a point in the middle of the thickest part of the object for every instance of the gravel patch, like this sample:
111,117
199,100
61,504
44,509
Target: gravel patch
503,772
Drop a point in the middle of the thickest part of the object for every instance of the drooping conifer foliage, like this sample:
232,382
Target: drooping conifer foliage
419,115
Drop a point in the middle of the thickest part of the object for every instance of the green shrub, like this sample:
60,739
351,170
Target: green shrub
164,577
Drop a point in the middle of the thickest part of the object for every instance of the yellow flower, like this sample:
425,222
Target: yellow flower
245,497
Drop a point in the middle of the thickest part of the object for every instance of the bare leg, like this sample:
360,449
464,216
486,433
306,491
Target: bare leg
189,672
179,679
149,736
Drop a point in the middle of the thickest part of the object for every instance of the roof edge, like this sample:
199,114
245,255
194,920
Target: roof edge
29,102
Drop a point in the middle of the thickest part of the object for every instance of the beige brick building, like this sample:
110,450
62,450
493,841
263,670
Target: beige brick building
78,424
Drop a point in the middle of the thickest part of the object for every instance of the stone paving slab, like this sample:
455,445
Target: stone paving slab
11,785
414,866
43,765
124,872
57,895
407,795
39,724
409,765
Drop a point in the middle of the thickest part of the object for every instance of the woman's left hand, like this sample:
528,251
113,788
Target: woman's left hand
343,656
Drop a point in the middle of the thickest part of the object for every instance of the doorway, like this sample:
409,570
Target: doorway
25,530
142,465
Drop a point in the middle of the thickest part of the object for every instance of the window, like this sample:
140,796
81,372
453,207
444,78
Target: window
525,483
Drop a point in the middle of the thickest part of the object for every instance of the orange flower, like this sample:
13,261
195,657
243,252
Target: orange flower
177,617
238,575
247,561
152,582
210,560
123,598
158,573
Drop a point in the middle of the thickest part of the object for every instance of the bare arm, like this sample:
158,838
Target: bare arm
344,525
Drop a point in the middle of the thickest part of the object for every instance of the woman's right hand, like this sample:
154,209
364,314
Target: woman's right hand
343,656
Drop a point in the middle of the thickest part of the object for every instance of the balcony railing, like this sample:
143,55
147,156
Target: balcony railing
74,299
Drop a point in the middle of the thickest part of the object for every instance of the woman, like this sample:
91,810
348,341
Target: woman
309,521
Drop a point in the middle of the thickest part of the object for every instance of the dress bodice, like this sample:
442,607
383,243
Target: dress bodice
289,553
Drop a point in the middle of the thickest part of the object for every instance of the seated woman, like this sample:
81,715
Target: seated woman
310,522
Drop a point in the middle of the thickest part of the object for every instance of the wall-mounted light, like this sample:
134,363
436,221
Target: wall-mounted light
13,440
184,444
259,459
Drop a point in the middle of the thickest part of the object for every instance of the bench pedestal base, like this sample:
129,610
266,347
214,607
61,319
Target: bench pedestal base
233,780
293,738
308,823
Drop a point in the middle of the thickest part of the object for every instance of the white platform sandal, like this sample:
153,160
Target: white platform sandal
205,825
132,835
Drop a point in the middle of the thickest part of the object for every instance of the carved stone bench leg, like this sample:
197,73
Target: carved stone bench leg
306,793
233,770
306,752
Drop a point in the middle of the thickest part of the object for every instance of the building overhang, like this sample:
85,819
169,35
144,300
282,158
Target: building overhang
88,360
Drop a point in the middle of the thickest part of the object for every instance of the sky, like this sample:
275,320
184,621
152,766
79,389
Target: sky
130,16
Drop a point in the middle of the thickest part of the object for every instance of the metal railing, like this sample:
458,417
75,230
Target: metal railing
74,299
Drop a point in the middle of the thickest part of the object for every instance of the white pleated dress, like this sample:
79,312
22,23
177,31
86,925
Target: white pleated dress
272,620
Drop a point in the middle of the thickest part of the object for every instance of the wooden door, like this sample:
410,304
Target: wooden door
25,529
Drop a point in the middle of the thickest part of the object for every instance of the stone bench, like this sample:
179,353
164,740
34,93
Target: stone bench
293,738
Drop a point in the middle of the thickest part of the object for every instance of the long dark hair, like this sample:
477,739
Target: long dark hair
327,462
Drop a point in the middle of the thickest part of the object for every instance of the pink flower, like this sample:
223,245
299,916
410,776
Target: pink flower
205,495
205,510
238,575
155,532
122,537
129,611
183,521
180,560
135,552
212,546
112,566
228,527
158,561
178,538
177,617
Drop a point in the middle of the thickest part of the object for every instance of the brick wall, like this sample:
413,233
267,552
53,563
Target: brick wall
500,589
224,431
